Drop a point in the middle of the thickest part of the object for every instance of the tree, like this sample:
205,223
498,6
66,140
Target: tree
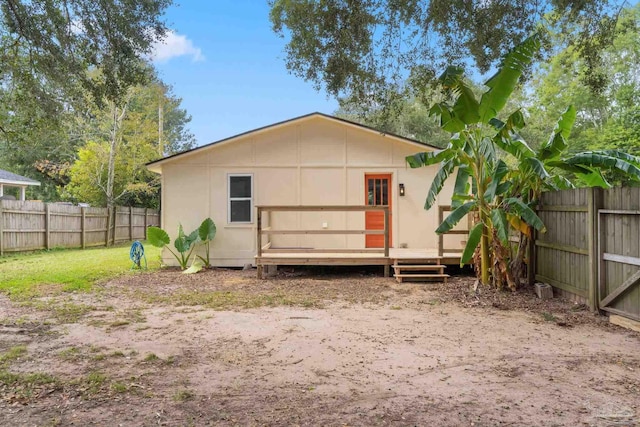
57,51
136,136
364,49
604,119
406,117
58,41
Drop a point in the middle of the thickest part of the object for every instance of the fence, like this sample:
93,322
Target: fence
29,226
591,250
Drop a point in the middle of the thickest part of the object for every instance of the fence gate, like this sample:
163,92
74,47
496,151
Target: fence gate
619,253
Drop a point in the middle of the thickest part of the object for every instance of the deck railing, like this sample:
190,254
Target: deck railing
264,215
262,230
441,248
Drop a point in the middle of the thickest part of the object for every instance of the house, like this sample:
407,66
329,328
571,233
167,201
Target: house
8,179
313,176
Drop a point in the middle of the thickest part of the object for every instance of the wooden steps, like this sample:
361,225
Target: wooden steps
426,270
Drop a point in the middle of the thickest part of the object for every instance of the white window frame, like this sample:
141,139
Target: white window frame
230,199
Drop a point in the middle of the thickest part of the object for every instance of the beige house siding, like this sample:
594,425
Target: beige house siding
311,161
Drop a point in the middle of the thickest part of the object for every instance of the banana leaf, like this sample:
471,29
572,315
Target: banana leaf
498,174
428,158
536,166
437,184
502,84
593,179
472,243
500,224
514,145
466,105
605,161
454,217
519,224
448,121
526,213
461,187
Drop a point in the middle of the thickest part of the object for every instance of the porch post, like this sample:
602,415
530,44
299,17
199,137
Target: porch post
22,193
1,190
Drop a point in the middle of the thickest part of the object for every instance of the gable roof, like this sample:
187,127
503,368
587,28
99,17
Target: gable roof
291,121
10,178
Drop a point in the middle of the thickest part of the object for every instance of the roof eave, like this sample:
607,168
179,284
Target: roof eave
19,183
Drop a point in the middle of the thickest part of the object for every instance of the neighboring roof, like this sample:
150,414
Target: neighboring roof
306,116
7,177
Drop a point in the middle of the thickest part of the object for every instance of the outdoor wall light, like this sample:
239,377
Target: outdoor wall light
401,190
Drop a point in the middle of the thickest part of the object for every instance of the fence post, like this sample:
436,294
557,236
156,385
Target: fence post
115,225
106,234
593,204
83,227
130,223
145,223
47,226
1,230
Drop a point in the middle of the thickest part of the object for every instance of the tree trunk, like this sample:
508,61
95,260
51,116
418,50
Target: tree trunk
517,263
117,117
485,261
112,156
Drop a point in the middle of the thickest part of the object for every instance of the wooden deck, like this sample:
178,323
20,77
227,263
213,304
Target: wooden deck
302,256
385,256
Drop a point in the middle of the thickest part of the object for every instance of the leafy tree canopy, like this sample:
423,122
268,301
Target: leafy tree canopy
362,48
607,120
55,42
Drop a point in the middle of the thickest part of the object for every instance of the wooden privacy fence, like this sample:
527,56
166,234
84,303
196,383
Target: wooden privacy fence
591,250
29,226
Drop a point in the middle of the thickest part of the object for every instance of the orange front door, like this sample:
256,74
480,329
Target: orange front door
377,192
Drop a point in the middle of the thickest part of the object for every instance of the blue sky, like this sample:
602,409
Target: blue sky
228,66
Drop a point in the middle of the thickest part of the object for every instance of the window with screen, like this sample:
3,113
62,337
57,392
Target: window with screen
240,198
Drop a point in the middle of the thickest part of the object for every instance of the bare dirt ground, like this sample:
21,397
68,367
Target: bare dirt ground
223,348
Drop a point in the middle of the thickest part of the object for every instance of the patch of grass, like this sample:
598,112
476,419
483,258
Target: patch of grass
12,354
119,387
94,382
52,272
151,357
71,353
183,395
66,312
24,386
117,353
224,300
549,317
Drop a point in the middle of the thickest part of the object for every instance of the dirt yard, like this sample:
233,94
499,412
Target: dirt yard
222,348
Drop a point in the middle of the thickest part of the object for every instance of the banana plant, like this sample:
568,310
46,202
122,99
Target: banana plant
184,243
552,168
472,154
504,196
206,233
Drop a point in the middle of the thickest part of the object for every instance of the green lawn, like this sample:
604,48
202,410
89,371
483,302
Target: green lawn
66,270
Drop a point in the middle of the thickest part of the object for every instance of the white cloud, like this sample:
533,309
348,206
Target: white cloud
175,45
